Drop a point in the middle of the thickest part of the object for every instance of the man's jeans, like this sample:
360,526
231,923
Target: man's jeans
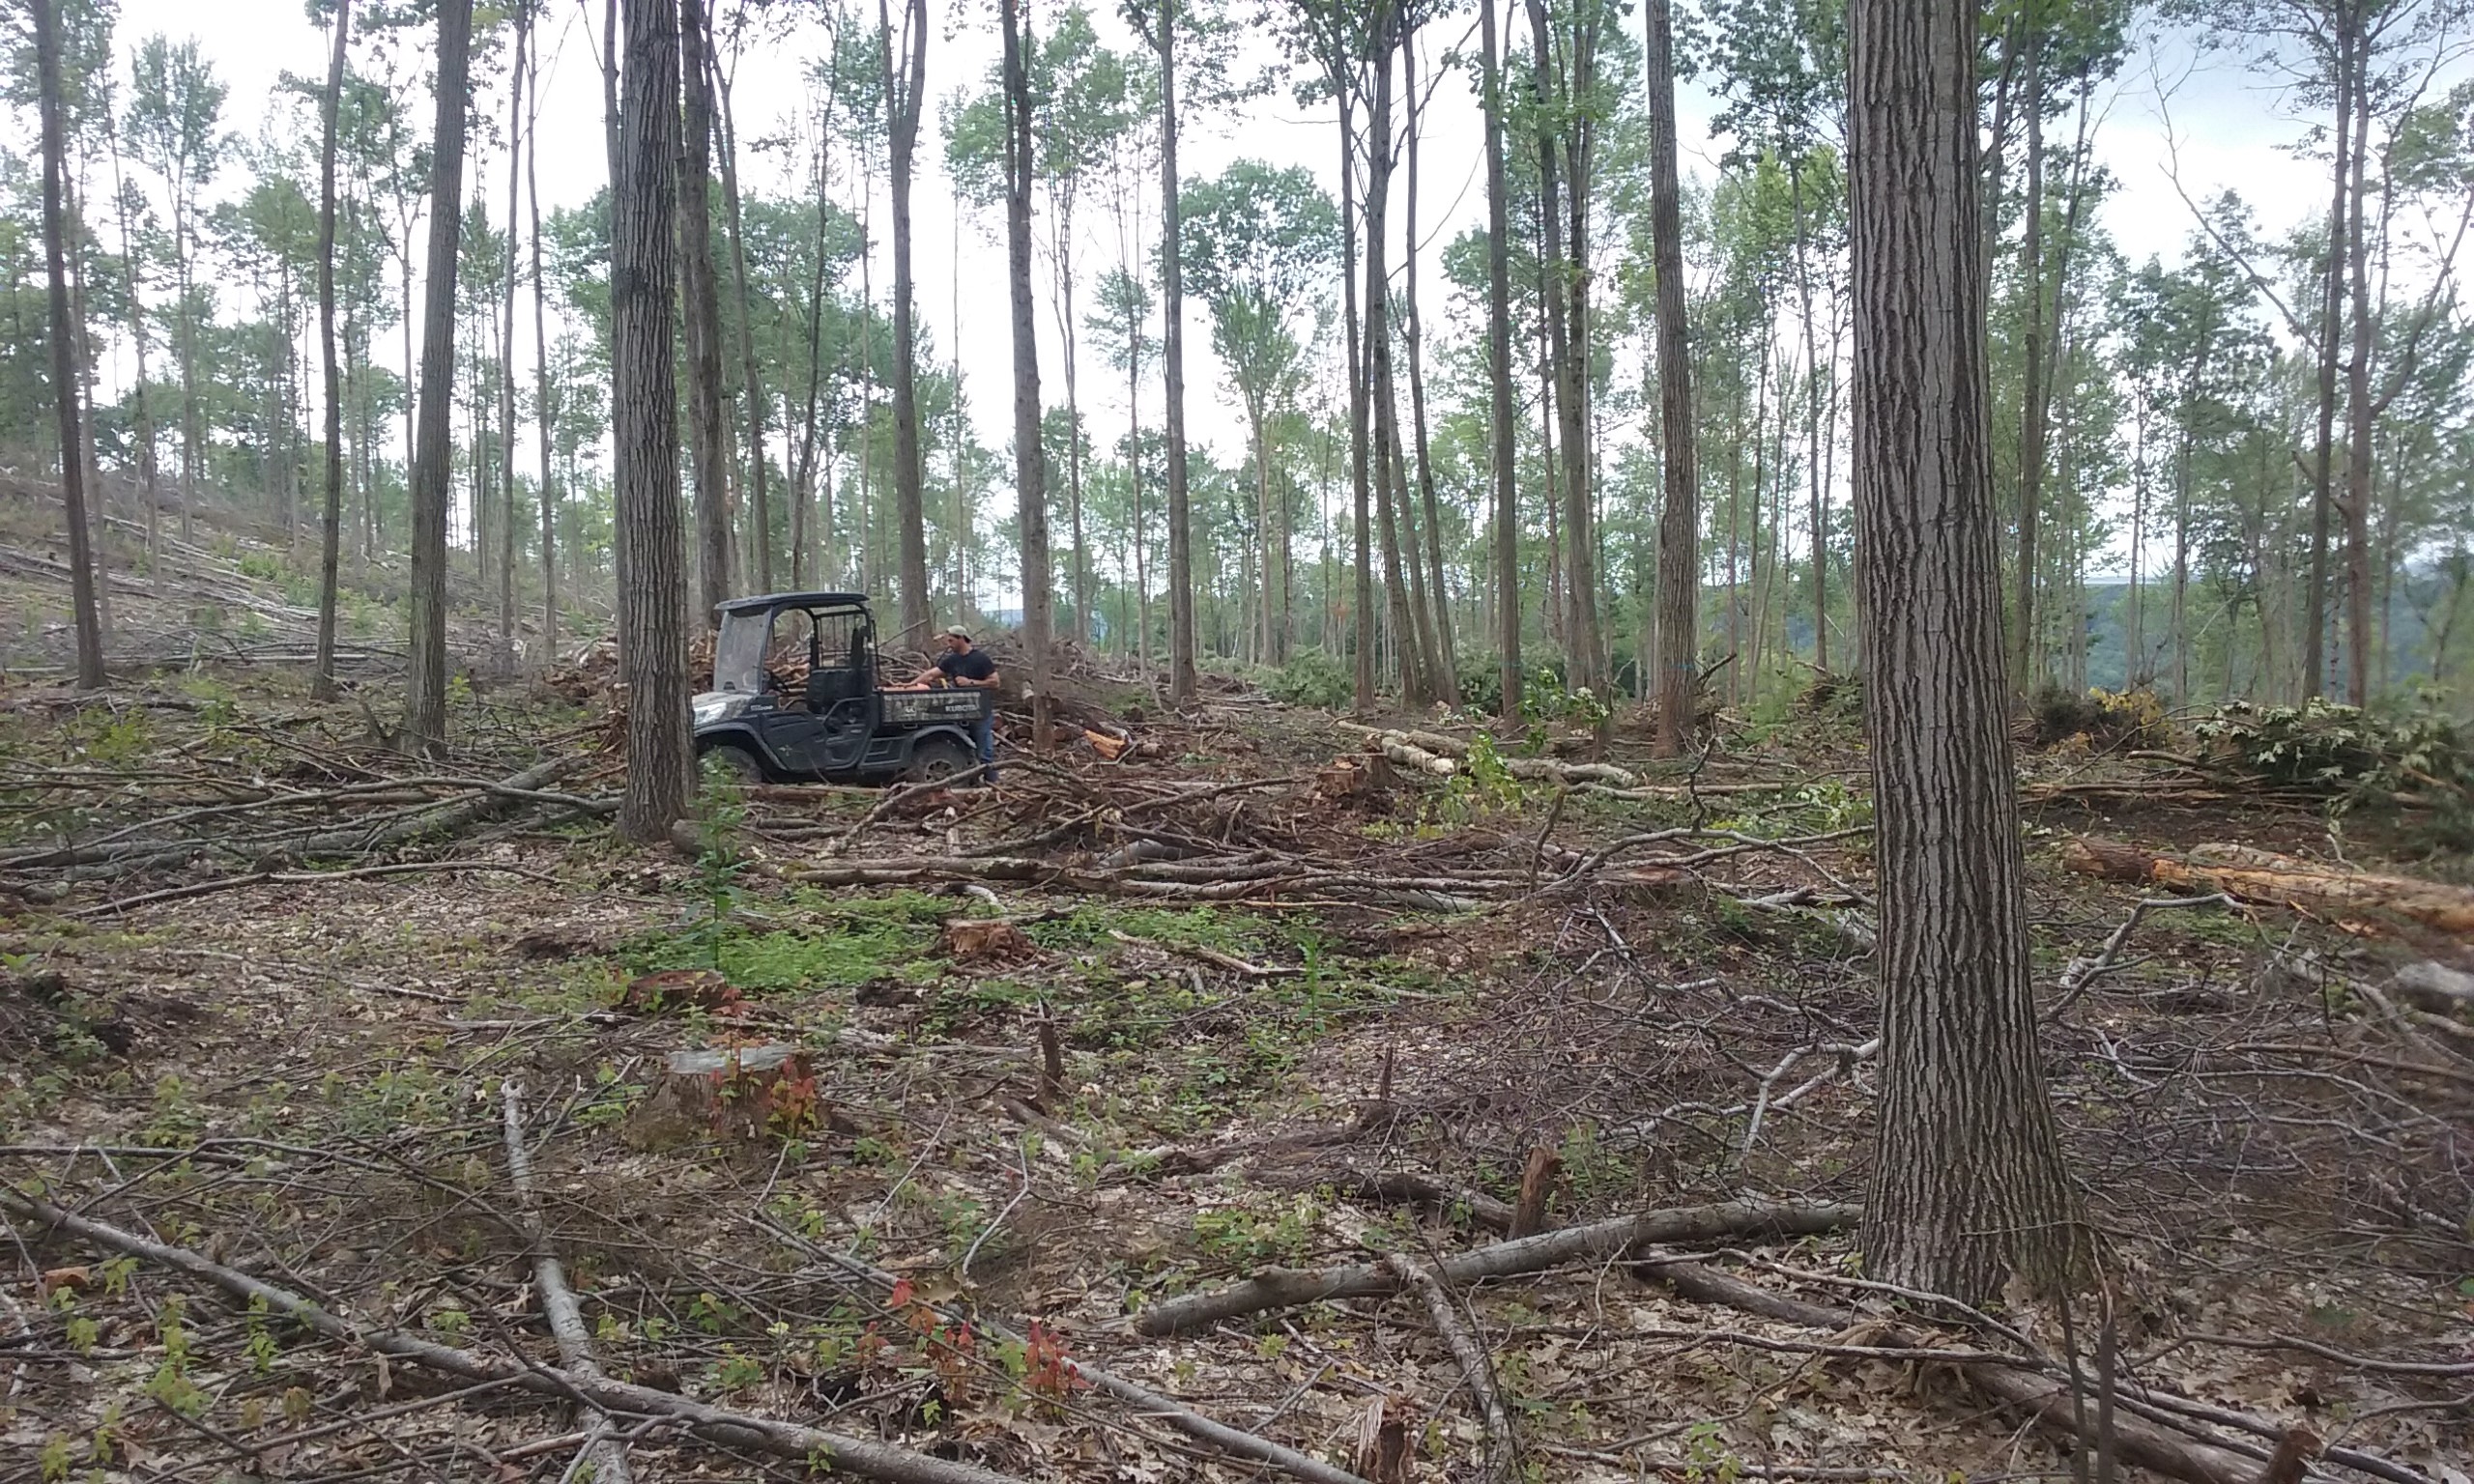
984,730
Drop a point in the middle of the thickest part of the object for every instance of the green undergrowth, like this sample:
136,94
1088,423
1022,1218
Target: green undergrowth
809,940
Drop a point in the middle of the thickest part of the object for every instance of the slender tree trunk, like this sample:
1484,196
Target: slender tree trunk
1172,356
1820,508
322,674
1968,1185
1679,595
1134,463
2323,472
1565,266
144,403
1446,655
2025,661
752,375
1501,412
98,497
64,356
2359,642
1409,643
425,687
1030,472
909,472
643,281
1363,529
505,656
541,408
704,317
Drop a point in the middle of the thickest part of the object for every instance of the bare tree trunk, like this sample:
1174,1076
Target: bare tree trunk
643,279
2323,471
322,673
505,656
909,472
752,375
1363,529
1968,1187
1446,654
1172,356
425,685
541,381
2025,660
1410,642
1030,463
704,317
1813,426
64,355
1679,595
1567,333
1499,373
145,413
2359,642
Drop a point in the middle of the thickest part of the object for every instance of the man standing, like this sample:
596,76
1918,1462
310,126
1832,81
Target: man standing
961,665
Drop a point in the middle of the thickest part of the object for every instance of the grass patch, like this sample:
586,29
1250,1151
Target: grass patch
844,943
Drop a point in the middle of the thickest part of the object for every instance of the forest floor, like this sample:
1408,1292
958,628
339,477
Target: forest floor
1055,1059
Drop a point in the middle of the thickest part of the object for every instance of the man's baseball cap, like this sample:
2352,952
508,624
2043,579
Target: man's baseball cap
957,631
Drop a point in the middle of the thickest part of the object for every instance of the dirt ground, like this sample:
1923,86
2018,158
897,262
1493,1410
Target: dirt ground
1058,1054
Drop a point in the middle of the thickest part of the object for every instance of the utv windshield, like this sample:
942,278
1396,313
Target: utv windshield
738,654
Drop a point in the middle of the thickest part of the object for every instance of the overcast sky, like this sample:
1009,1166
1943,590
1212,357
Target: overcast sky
2230,124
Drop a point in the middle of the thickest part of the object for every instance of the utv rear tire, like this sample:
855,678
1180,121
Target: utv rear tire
941,760
735,763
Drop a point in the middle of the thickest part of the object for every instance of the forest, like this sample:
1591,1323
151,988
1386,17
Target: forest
1716,740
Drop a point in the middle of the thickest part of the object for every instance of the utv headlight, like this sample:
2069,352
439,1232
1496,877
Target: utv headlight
714,709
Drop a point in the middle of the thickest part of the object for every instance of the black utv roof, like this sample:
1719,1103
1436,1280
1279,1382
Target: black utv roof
765,602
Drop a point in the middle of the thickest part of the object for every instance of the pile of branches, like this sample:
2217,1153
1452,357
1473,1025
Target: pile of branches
262,803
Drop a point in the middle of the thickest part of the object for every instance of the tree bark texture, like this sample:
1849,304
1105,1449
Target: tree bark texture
2360,412
322,671
1678,594
653,604
505,658
542,384
2314,630
1501,413
2031,408
1361,530
1030,464
433,453
1968,1185
704,320
1172,357
64,356
903,104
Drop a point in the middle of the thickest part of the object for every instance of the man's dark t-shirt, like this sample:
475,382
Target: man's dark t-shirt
974,664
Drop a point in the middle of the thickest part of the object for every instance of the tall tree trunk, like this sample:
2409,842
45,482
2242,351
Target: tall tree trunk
144,403
1408,640
1679,595
1362,529
644,282
1563,203
1446,656
64,355
1820,501
1968,1183
505,656
1172,357
2359,643
1501,412
759,514
704,317
909,472
2025,661
2331,305
425,686
322,673
541,409
1030,470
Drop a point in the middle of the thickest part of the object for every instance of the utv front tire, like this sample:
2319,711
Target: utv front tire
735,763
941,760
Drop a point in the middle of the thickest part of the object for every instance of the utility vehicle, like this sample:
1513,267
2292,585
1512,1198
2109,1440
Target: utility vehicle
838,723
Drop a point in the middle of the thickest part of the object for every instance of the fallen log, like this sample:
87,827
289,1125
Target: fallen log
2276,880
1281,1288
1234,1441
861,1456
2043,1398
607,1452
1529,769
1477,1372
